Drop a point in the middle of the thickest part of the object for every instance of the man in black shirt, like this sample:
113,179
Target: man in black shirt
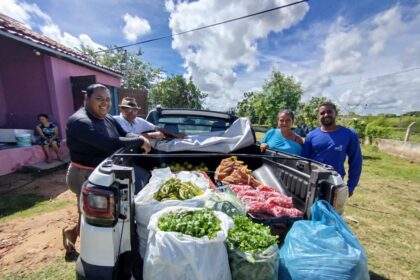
92,136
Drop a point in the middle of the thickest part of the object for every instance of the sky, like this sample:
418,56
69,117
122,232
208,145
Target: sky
362,55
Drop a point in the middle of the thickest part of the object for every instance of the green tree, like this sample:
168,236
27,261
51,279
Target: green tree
250,105
308,112
137,74
280,92
176,92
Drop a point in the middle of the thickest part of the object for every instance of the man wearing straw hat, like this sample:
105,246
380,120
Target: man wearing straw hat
131,123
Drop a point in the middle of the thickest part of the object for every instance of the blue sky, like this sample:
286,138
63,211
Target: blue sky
343,50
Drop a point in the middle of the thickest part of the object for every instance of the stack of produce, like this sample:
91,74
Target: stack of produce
233,171
252,250
187,243
165,189
194,223
174,188
185,166
265,201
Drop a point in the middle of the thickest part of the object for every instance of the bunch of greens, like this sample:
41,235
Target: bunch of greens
185,166
194,223
174,188
250,237
252,251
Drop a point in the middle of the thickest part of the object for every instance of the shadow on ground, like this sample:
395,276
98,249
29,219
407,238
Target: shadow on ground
12,203
370,158
24,189
375,276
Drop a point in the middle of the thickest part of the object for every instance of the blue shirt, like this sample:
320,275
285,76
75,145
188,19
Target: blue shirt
276,141
332,148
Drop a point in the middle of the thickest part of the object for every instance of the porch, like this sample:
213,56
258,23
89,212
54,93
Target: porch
14,158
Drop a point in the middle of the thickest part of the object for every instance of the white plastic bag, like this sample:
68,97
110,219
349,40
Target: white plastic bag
173,256
146,205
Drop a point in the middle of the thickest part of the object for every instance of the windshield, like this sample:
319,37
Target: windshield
193,124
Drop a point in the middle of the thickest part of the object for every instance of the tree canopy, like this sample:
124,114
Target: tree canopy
308,112
138,74
278,93
176,92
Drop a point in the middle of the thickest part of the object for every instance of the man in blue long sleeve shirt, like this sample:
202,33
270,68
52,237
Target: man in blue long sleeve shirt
331,143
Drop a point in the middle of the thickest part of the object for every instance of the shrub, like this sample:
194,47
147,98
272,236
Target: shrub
374,131
358,125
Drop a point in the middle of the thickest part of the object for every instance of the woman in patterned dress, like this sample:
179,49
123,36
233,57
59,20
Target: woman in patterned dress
48,132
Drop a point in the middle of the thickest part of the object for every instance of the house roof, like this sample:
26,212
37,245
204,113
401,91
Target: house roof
14,29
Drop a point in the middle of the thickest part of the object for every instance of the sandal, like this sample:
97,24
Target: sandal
67,243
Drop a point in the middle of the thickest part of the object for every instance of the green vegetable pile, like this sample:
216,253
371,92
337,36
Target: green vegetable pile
194,223
250,237
185,166
252,251
175,189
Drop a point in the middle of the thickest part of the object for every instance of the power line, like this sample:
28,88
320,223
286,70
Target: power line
203,27
375,77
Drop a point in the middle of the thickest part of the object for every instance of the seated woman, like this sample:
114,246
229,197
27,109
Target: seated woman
49,137
283,138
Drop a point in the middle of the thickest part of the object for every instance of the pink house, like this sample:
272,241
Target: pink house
39,75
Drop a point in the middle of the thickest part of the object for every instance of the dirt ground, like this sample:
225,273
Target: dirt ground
27,243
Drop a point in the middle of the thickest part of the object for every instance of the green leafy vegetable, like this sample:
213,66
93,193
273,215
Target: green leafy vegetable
194,223
250,237
252,251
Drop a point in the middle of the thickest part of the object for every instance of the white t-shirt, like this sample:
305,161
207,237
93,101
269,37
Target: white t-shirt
138,126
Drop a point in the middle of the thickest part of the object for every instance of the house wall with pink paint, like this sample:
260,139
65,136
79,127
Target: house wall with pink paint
24,87
60,86
31,84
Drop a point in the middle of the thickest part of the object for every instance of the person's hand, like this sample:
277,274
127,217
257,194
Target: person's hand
155,135
263,147
350,193
146,145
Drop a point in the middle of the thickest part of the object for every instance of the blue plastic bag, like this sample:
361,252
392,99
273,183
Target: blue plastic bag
323,248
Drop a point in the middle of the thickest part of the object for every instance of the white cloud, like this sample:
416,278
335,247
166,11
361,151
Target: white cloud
387,25
135,27
341,55
22,11
355,54
33,17
213,55
53,31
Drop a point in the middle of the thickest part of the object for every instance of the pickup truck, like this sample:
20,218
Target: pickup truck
109,244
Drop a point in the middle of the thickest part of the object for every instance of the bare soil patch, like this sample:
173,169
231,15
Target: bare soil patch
28,243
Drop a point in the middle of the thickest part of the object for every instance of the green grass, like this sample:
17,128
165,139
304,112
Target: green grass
26,205
387,206
400,135
58,269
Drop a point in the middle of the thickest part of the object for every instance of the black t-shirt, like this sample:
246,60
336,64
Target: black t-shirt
91,140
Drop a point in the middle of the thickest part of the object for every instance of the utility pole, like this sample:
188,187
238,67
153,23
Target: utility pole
126,67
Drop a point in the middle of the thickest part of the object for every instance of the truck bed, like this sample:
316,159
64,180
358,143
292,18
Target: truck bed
291,175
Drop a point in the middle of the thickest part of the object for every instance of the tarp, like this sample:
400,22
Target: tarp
238,135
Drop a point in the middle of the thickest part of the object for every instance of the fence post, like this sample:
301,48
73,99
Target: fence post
408,133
